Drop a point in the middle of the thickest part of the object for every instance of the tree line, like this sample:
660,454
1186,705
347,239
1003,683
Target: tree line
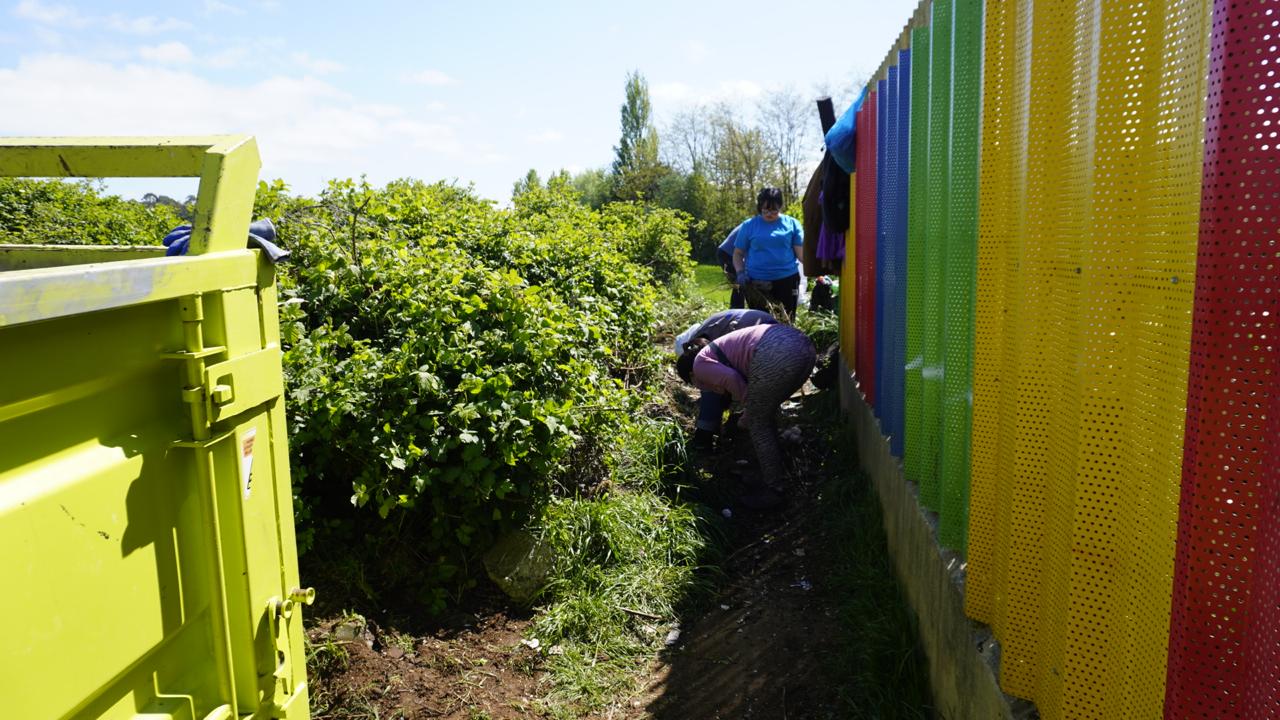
708,161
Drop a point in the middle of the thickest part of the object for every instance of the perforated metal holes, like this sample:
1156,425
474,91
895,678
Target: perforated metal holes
1223,641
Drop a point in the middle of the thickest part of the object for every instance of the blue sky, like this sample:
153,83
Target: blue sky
474,91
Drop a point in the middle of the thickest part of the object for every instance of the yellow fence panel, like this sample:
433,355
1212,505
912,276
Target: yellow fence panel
1002,176
848,275
1138,280
1088,209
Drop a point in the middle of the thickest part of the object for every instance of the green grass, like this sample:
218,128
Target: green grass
625,563
823,328
712,285
882,668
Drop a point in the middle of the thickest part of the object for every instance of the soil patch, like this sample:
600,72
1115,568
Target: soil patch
479,669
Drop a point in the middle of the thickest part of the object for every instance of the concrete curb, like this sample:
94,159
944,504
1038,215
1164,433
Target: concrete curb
963,656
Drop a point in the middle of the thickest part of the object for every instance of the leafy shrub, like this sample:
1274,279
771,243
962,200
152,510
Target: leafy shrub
75,213
651,237
446,360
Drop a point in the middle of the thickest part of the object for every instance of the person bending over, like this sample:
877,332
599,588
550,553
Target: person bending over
711,405
759,367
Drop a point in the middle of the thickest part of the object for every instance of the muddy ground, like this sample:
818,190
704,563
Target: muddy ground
762,647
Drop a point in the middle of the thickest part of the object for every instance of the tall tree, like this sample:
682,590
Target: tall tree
689,140
741,163
636,168
530,181
593,186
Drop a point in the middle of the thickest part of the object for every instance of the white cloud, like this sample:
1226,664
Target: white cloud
63,16
429,77
546,136
675,92
324,132
169,53
730,91
230,57
319,66
146,25
50,14
434,137
739,90
383,110
49,37
213,7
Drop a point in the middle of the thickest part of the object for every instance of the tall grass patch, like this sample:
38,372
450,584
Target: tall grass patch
626,562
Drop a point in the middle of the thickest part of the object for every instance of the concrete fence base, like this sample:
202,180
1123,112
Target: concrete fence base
962,655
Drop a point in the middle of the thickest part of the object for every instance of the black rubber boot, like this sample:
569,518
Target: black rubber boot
702,440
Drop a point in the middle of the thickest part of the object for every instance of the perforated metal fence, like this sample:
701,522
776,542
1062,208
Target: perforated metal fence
1066,250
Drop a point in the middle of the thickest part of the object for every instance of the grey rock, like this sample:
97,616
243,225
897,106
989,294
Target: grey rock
519,563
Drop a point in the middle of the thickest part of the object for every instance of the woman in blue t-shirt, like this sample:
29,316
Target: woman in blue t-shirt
766,253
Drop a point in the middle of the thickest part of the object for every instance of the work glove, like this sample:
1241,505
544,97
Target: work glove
743,278
262,235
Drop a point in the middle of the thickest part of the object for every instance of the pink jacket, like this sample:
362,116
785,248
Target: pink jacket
709,373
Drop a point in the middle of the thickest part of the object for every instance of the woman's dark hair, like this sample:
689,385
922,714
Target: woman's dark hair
684,363
771,197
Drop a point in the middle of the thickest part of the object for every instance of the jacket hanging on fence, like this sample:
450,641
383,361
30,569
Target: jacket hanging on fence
826,218
835,198
812,205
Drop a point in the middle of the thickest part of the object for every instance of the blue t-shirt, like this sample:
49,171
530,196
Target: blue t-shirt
769,246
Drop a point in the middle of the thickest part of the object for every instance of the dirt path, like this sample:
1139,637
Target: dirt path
760,649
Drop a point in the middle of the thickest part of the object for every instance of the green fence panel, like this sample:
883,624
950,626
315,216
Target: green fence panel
917,205
934,243
960,264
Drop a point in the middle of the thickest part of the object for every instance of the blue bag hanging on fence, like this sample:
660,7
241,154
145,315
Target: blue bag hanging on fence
841,137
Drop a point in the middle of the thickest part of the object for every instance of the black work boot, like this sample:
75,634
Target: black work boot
702,440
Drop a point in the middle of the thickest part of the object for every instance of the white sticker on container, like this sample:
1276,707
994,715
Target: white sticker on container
246,459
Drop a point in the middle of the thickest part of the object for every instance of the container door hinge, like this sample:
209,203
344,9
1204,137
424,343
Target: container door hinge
235,385
232,386
280,613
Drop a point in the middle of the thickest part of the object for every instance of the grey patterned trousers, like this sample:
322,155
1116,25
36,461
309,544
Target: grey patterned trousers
781,364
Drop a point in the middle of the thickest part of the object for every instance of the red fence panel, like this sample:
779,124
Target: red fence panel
1223,651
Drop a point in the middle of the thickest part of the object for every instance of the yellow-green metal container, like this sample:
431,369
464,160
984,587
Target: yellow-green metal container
148,568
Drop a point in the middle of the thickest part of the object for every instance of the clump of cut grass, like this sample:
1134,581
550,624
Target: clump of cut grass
823,328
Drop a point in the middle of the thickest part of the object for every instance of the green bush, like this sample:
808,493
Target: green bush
450,364
76,213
